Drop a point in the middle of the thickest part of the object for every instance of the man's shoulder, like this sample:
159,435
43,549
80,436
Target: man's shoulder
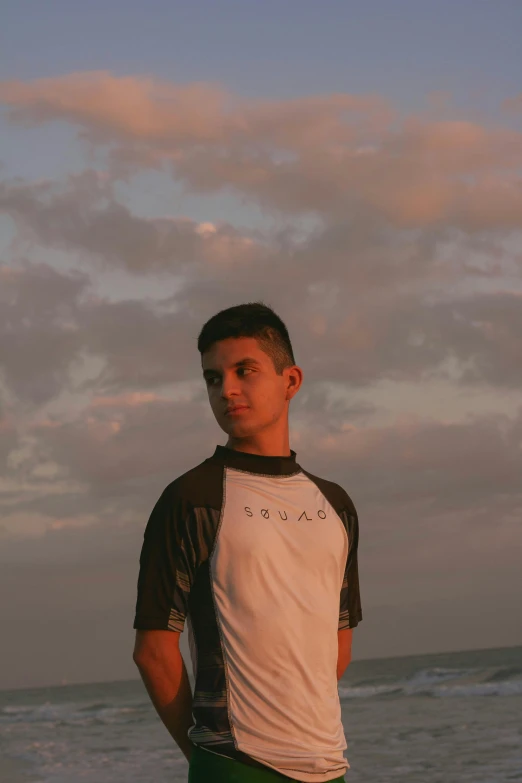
198,486
336,495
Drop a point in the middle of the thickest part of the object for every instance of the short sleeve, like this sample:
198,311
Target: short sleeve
350,611
168,563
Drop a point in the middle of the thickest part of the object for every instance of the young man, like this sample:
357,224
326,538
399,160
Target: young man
259,556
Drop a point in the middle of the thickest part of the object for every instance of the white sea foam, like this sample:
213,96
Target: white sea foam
441,682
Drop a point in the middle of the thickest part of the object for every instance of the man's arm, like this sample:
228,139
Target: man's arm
344,656
162,669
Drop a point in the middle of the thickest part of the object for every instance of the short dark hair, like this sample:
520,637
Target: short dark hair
253,319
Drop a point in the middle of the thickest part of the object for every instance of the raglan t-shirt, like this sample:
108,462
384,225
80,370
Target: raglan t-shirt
258,557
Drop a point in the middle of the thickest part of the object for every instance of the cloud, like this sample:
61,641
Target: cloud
179,114
104,447
83,216
8,434
126,106
36,301
394,306
513,104
120,448
331,155
465,466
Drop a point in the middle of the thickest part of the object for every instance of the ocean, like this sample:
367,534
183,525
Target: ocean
443,718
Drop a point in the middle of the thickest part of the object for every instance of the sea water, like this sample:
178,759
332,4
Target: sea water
444,718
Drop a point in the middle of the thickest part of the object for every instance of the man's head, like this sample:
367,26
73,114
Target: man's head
266,379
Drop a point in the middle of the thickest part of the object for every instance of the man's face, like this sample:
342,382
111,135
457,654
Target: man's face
253,383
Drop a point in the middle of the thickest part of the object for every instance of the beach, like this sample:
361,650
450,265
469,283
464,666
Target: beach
442,718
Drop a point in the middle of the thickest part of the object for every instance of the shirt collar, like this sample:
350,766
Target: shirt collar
256,463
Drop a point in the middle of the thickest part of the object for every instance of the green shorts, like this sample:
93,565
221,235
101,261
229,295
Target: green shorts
205,767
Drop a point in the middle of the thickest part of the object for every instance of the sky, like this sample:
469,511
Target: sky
356,166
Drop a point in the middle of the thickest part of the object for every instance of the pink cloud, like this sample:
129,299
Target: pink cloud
513,104
127,106
332,154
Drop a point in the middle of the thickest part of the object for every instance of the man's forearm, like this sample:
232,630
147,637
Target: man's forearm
344,650
168,686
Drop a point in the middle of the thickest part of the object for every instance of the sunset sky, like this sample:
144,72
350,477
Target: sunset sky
355,165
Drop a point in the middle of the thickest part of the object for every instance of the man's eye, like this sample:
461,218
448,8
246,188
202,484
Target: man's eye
214,377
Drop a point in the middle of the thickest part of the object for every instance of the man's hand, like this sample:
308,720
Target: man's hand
344,656
162,669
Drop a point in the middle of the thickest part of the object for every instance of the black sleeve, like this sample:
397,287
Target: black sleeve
350,612
168,562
